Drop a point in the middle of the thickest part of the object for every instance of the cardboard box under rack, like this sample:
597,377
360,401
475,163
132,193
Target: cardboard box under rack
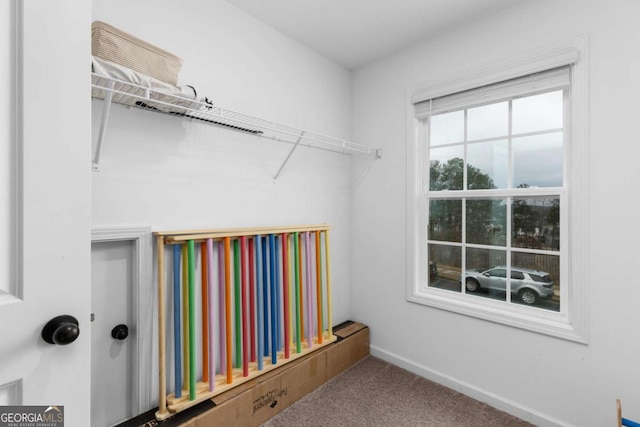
254,402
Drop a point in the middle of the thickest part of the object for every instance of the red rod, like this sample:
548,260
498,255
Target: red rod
285,292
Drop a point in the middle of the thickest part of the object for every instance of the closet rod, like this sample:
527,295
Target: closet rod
121,92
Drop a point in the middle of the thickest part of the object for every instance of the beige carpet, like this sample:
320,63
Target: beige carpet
374,393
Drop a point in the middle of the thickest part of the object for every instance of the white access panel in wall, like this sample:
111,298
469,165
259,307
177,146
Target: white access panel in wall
112,337
121,271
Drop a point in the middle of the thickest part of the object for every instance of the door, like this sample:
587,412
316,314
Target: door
46,179
497,279
111,333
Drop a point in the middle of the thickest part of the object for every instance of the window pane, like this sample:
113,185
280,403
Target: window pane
538,112
487,165
537,161
517,274
447,128
445,267
447,166
485,273
536,223
445,220
486,221
506,146
488,121
541,284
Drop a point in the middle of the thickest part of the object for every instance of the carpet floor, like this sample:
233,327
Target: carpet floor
374,393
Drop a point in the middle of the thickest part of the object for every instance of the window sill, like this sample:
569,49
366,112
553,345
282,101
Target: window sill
527,318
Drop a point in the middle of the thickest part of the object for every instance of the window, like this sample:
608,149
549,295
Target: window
493,189
517,275
496,188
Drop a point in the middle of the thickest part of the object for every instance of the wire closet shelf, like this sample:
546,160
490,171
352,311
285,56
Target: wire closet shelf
112,90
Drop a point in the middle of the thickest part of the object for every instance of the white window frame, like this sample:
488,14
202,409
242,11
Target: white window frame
571,322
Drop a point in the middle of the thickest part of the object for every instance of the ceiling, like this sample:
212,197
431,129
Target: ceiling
354,33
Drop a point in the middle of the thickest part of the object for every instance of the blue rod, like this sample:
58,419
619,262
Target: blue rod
629,423
265,293
274,296
278,294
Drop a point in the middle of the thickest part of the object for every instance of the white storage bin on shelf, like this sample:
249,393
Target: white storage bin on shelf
112,44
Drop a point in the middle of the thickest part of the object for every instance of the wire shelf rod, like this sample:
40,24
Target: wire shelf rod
130,94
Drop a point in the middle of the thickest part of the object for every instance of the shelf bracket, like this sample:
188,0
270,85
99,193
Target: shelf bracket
103,125
275,178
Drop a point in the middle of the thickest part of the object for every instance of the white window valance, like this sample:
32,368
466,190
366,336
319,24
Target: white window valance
498,81
531,84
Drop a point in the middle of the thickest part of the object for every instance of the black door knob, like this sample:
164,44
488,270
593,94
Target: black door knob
120,332
61,330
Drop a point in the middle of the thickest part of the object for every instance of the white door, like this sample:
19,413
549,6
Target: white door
45,182
112,372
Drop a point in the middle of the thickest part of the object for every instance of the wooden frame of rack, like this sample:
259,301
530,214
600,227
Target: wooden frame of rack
279,280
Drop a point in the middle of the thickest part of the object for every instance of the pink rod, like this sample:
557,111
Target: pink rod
252,300
245,308
222,346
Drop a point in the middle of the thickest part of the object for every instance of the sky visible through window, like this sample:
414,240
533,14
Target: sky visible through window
536,141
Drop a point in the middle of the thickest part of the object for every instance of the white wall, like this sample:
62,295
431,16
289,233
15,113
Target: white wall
172,174
543,379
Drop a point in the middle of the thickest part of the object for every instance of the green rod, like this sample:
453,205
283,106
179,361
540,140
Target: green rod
296,251
192,322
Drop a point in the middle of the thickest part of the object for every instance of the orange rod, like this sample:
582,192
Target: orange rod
285,292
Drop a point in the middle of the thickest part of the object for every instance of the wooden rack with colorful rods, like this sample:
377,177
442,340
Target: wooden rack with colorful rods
265,300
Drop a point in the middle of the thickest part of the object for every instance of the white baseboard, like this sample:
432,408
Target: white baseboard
499,402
